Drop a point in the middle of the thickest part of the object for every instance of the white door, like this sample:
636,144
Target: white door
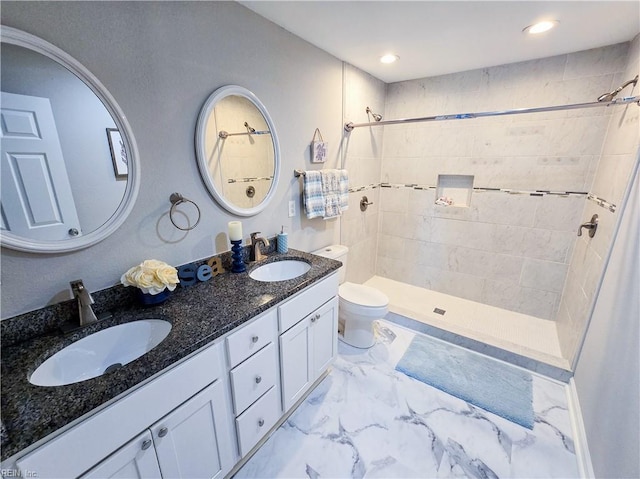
295,361
37,202
195,440
136,459
324,334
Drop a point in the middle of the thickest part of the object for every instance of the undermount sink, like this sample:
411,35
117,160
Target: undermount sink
101,352
280,270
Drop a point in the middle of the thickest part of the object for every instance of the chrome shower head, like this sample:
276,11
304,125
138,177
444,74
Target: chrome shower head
612,94
375,116
608,96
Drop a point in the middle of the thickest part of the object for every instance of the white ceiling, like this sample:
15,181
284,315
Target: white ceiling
438,37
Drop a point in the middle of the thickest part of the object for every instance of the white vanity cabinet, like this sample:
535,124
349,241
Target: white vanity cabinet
255,379
200,418
180,421
309,339
185,443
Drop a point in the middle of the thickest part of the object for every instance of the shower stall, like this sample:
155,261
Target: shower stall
481,182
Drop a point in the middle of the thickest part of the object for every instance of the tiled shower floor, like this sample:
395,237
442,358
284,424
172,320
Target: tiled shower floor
365,419
519,333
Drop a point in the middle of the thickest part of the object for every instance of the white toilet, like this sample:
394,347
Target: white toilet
359,305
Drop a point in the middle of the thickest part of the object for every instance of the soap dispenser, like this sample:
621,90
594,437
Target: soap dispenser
282,242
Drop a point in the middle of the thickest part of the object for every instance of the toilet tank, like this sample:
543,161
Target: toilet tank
337,252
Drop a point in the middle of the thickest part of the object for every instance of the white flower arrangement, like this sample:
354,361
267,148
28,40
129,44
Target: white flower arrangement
151,276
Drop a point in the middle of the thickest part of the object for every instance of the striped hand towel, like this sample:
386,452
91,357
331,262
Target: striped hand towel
344,190
331,192
312,195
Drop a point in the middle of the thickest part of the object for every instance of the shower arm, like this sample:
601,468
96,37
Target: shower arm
465,116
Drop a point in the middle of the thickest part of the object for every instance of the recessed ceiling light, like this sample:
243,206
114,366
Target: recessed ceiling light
389,58
540,27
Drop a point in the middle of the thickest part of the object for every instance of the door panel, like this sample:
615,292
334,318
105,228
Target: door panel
37,201
325,337
194,441
295,350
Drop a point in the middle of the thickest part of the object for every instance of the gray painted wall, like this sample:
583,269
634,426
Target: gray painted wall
160,61
607,375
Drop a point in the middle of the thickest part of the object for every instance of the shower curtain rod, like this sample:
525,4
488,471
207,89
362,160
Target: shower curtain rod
465,116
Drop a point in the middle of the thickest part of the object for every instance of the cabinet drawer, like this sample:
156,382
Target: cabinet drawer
252,338
308,300
254,423
253,377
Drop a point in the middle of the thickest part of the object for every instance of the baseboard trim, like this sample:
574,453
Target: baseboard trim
583,456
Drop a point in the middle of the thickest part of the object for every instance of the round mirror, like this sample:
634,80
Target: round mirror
237,150
69,162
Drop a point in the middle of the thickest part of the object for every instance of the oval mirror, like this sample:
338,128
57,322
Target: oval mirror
70,169
237,150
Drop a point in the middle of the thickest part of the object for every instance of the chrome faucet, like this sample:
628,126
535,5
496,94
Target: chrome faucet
256,253
87,316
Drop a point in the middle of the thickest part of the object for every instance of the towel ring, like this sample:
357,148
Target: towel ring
176,199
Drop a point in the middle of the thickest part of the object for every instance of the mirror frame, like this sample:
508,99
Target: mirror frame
23,39
201,155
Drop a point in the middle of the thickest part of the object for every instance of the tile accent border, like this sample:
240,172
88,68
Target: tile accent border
497,190
601,202
590,196
363,188
249,180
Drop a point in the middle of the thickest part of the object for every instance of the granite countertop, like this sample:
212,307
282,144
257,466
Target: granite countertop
199,314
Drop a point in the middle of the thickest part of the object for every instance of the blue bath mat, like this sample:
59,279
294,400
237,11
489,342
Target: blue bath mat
484,382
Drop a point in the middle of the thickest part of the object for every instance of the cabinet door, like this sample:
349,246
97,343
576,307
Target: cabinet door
295,362
195,440
324,336
136,459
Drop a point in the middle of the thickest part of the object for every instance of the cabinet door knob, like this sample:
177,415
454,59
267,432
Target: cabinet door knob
315,318
258,379
254,339
260,422
146,444
163,432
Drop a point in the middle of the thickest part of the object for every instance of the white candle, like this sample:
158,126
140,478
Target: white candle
235,230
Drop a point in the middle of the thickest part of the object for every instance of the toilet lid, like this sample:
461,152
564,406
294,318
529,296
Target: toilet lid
363,295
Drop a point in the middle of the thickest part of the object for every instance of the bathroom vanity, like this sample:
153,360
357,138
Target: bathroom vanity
240,356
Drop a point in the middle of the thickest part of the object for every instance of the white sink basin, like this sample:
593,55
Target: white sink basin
280,270
101,352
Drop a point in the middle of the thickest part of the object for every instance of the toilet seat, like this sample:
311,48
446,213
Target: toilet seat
362,300
361,295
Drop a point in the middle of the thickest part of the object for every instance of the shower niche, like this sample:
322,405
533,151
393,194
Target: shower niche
454,190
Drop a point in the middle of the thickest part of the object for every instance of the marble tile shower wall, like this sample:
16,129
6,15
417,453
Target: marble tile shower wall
363,158
619,155
507,250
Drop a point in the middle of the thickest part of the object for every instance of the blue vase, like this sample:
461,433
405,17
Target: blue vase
147,299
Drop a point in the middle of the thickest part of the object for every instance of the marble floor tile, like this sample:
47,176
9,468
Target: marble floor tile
366,419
